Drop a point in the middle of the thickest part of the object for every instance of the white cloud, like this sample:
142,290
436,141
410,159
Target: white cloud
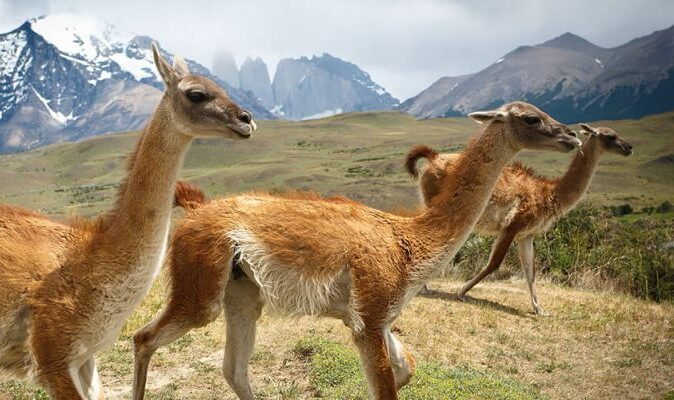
404,45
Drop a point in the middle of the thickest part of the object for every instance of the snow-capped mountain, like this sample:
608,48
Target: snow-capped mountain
64,77
569,77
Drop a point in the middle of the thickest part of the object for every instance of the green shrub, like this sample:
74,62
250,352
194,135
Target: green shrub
623,209
665,207
591,248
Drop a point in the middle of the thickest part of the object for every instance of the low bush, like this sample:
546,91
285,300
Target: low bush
591,248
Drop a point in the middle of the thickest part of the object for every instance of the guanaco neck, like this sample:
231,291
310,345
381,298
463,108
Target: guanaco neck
465,190
571,187
140,218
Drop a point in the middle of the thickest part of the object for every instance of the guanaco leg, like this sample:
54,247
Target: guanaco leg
498,253
376,363
243,306
73,382
525,246
402,361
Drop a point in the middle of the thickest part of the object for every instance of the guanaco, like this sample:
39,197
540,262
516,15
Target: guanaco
523,204
68,288
333,258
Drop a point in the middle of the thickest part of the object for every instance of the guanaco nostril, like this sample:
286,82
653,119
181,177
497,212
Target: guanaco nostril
572,133
245,116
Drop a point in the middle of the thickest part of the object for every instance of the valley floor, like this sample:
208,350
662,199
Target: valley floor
593,346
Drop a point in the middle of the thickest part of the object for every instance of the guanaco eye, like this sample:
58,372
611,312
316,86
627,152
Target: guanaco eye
532,120
196,96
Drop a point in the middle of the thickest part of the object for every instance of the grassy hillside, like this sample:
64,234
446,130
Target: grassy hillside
595,345
358,154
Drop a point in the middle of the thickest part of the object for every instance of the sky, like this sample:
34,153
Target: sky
404,45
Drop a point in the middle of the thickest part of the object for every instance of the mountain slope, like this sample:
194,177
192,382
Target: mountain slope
569,77
435,97
307,88
61,74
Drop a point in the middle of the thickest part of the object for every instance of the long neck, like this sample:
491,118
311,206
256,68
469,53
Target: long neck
571,187
466,188
145,198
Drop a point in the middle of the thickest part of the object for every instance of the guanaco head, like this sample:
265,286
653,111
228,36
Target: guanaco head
198,106
608,138
530,127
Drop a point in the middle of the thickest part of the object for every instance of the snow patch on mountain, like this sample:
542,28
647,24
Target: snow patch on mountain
93,44
10,49
58,116
138,68
81,37
324,114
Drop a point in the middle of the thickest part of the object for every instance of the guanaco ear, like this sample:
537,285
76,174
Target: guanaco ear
587,130
168,74
482,117
180,66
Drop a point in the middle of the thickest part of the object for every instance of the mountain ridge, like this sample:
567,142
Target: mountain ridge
569,77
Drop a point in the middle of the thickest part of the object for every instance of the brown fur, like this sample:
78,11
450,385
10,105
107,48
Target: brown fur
339,258
188,196
417,152
67,288
523,203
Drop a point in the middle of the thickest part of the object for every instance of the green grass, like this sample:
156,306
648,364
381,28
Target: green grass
19,390
335,374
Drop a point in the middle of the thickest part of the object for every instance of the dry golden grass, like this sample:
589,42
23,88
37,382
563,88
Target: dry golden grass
595,346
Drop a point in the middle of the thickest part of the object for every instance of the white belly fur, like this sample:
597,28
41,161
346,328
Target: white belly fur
288,292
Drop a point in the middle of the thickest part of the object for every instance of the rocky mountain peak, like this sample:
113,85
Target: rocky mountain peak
224,66
254,76
570,41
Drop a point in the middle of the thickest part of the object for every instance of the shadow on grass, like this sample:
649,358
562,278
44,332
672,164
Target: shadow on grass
438,294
